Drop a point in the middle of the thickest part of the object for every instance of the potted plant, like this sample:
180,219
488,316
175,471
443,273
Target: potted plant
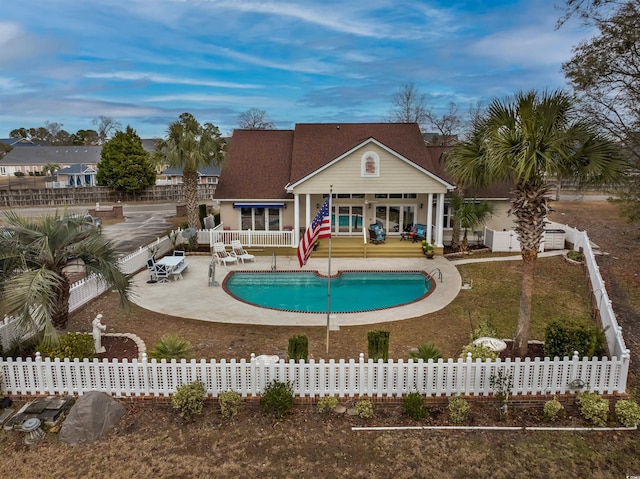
427,249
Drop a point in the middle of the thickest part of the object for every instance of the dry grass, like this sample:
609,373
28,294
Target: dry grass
310,445
560,291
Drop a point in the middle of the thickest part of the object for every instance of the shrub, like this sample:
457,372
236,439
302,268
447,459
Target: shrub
19,173
478,352
378,345
70,345
230,402
484,330
364,408
327,403
425,352
575,255
564,336
171,347
277,399
459,409
552,410
593,407
413,406
189,399
628,413
299,347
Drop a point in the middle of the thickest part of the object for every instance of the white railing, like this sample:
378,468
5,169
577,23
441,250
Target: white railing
254,239
313,379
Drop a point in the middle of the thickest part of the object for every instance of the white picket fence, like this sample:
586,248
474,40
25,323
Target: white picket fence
313,379
541,376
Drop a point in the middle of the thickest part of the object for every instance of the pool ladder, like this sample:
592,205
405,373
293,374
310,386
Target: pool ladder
438,273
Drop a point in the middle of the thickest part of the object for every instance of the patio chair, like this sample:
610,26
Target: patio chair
151,266
419,233
162,273
239,252
221,255
178,252
377,234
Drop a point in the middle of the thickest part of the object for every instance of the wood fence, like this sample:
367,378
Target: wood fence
313,379
98,194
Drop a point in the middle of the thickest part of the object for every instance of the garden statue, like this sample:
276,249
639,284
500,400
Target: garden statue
98,327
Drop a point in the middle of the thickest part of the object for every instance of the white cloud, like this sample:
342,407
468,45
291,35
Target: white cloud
12,87
156,78
16,44
526,46
307,65
352,18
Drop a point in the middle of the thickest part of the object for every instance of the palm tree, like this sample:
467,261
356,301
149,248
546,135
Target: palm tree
525,140
472,215
34,253
466,215
190,146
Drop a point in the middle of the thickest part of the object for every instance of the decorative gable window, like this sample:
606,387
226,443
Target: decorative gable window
370,164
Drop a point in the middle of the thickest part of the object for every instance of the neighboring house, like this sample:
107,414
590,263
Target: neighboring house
173,176
32,159
75,176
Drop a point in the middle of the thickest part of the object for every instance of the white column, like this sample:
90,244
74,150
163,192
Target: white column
440,220
430,218
296,219
307,218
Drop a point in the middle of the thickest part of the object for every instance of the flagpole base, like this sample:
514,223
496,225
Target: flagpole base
334,323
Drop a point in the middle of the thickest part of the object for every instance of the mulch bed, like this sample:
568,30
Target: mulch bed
118,347
535,350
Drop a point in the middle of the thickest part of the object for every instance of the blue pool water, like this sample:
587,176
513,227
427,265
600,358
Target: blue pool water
350,291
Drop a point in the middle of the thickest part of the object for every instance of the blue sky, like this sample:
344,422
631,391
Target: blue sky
143,62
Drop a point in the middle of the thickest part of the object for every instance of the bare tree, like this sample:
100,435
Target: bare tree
448,125
105,127
54,130
410,106
255,119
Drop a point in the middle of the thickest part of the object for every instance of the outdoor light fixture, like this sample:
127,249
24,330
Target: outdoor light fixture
421,205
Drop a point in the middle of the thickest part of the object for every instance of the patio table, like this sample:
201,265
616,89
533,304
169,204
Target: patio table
175,264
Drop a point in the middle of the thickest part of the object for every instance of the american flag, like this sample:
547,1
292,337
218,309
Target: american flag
320,227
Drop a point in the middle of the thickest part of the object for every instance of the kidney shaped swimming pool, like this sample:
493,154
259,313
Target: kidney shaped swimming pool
306,292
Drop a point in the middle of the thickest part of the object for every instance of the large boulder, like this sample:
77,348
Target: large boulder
91,417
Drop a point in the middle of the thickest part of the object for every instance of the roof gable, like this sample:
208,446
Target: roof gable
364,145
77,169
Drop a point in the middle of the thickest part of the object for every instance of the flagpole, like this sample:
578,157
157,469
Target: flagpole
329,270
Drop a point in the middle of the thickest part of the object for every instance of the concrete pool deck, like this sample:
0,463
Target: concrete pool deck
191,297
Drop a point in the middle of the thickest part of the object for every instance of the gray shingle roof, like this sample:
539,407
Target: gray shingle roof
63,155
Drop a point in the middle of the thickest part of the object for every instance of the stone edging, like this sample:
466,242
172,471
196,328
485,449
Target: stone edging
142,348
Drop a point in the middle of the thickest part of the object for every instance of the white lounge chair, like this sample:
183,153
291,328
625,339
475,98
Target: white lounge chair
239,252
221,255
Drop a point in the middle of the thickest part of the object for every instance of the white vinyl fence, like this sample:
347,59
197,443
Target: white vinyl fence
313,379
342,378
